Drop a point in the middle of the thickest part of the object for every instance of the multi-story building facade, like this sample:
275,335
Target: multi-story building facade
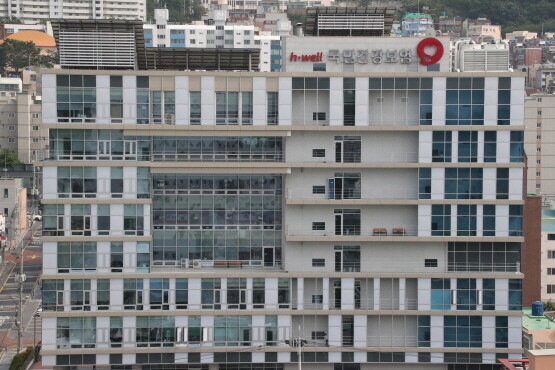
452,26
539,122
376,215
31,12
215,35
21,130
416,24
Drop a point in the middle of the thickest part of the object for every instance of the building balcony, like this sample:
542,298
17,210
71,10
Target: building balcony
355,197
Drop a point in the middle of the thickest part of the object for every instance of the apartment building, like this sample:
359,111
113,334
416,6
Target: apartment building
538,137
13,206
376,214
21,130
217,34
31,12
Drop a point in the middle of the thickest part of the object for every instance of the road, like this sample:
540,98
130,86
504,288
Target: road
9,294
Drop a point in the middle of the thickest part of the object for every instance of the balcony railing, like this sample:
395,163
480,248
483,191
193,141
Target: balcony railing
347,230
387,193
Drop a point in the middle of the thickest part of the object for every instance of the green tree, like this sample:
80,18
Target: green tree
8,158
16,55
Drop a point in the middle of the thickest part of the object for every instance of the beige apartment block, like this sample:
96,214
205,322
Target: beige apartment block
539,137
20,127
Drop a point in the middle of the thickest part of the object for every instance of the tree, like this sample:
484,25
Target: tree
8,158
16,55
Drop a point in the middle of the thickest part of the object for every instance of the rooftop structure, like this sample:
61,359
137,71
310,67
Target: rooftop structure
348,21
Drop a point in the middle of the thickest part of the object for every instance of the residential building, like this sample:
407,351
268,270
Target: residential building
13,205
538,339
215,35
21,130
539,120
521,36
372,210
44,10
451,26
416,24
545,78
11,28
484,32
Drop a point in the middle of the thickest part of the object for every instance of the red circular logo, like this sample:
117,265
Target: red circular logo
428,59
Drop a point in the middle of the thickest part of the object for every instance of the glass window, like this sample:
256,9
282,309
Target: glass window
466,220
490,146
103,294
441,146
232,330
517,146
155,331
502,183
463,331
424,183
441,294
467,295
76,256
272,107
515,294
76,332
463,183
76,98
515,220
468,146
441,220
465,101
133,294
488,220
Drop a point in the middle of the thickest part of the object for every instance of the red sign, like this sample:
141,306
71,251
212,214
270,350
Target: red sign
318,57
426,58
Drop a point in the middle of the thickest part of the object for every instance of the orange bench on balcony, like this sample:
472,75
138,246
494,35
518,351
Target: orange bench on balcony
398,231
229,263
379,231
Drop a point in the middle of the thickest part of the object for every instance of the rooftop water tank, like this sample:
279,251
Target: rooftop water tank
537,308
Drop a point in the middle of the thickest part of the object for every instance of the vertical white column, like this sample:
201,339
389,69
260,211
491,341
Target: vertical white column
491,85
326,293
362,102
360,323
438,96
402,293
182,100
377,293
285,98
335,334
194,294
300,293
336,101
347,293
129,99
259,112
208,100
249,293
102,99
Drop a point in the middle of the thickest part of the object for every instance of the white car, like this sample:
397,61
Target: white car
37,217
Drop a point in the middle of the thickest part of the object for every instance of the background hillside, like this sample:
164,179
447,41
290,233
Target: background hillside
510,14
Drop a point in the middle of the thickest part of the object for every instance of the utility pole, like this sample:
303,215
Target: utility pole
297,343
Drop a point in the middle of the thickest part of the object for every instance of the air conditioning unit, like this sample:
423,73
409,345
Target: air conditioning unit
196,264
184,263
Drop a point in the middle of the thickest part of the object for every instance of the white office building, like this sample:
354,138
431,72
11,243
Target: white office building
43,10
218,35
372,208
